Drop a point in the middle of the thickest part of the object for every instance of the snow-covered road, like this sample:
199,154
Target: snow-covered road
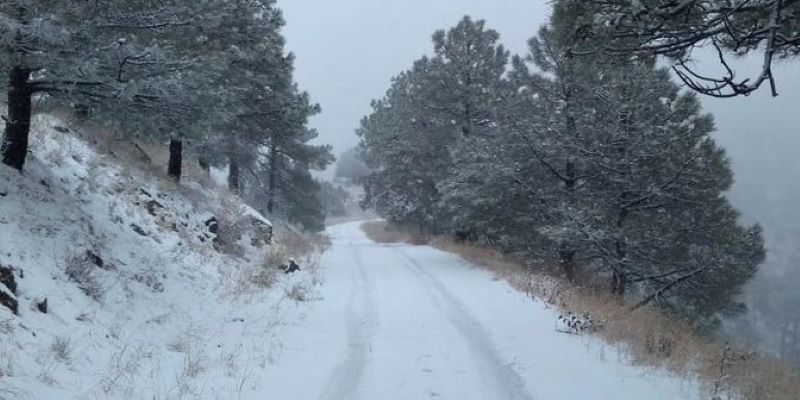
411,322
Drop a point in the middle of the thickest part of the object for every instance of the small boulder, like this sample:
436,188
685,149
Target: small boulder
152,206
8,300
95,259
262,231
41,304
213,225
138,229
7,279
291,268
8,290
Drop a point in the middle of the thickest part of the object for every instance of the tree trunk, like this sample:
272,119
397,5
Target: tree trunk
233,174
175,157
273,177
566,255
619,280
18,123
204,164
619,283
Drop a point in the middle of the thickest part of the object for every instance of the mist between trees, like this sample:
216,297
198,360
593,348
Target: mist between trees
595,162
212,77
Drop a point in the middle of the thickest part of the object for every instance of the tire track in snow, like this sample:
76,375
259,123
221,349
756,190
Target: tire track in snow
345,381
508,383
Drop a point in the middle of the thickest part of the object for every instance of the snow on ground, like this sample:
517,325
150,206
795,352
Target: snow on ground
412,322
140,304
166,316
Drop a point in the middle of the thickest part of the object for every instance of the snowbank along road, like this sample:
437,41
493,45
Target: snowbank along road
411,322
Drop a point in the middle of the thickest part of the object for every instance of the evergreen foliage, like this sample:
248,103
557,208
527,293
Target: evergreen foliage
605,169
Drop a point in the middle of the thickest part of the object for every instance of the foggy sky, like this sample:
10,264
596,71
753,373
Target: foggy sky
347,51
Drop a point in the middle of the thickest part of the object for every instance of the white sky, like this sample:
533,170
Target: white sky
348,50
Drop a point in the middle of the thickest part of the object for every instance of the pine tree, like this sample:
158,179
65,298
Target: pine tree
76,54
406,144
649,206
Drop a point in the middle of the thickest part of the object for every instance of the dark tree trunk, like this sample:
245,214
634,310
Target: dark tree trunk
18,122
566,255
175,158
204,164
619,283
273,177
619,280
233,174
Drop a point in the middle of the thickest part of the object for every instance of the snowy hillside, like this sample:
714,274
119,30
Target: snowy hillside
152,290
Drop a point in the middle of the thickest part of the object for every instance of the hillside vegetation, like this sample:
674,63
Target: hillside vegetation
128,285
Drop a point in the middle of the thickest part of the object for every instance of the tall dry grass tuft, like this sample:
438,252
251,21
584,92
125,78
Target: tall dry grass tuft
648,336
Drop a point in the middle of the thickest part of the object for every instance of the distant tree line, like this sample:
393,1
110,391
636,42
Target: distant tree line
350,167
596,163
212,77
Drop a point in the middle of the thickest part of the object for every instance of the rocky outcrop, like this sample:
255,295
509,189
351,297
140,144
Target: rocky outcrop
8,289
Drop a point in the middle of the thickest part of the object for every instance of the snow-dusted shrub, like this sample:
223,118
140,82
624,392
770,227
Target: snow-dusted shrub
233,224
265,277
179,344
150,279
61,349
81,270
123,367
299,292
296,244
576,324
194,362
6,327
6,364
275,257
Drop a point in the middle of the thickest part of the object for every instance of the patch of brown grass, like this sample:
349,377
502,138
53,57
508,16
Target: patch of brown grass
647,335
381,232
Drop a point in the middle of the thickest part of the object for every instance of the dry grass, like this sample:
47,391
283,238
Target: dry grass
149,156
298,244
648,336
381,232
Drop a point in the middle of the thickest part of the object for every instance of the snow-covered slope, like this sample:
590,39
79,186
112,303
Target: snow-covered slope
140,303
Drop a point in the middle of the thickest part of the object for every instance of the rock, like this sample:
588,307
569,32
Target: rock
138,229
8,300
8,290
7,279
291,268
262,230
95,259
41,304
152,205
213,225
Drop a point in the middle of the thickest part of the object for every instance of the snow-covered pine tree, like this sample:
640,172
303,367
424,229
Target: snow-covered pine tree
470,94
406,142
432,125
649,207
76,53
